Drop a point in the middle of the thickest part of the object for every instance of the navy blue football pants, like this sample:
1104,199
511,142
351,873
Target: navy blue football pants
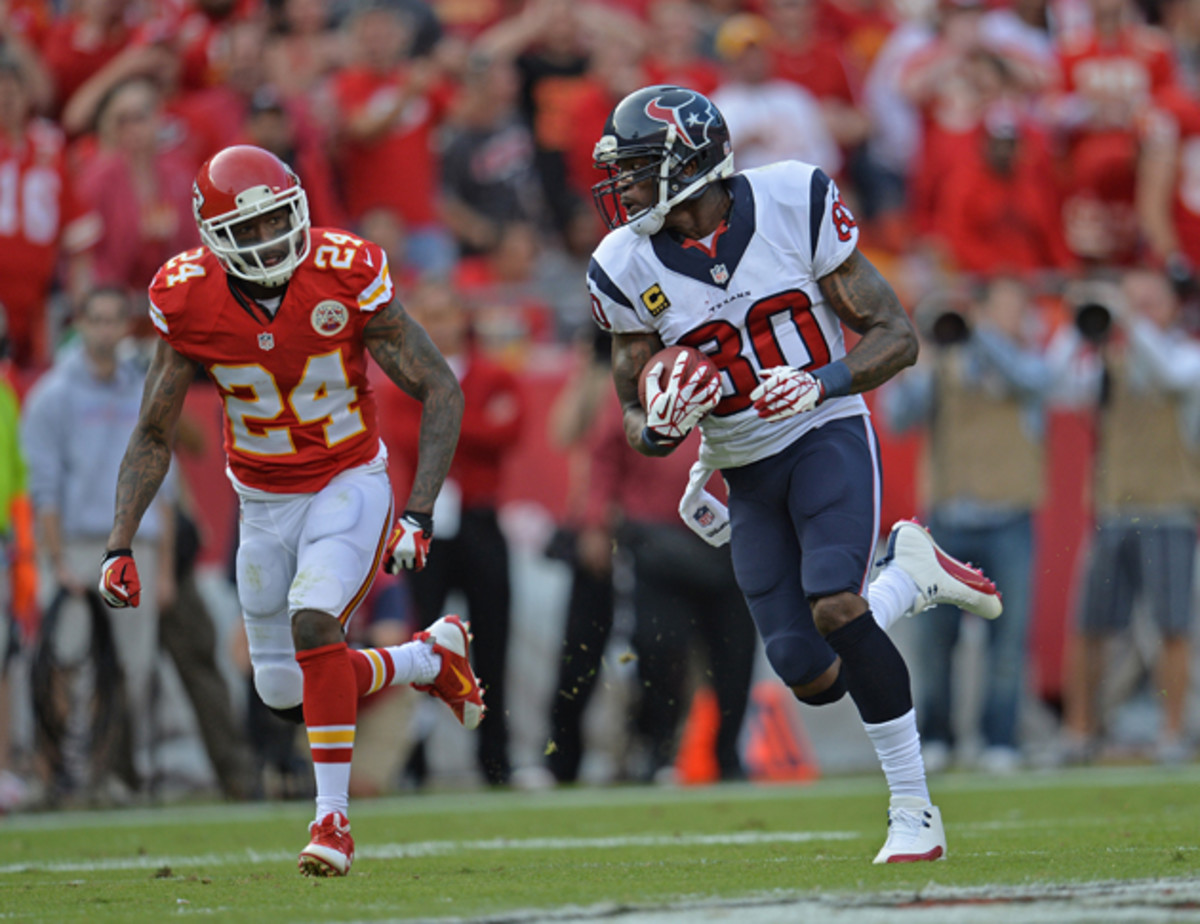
804,524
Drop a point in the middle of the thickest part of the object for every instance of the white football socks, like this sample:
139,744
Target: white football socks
891,595
898,747
415,662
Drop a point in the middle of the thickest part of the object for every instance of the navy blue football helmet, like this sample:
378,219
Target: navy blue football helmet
671,127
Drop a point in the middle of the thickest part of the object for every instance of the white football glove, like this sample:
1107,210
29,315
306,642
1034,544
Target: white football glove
672,412
706,516
784,392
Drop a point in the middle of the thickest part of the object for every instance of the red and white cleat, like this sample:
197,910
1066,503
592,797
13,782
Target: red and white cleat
940,578
915,832
331,850
456,683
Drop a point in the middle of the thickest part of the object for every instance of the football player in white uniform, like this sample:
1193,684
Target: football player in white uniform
759,271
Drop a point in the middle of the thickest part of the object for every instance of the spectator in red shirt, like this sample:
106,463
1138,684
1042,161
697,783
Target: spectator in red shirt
40,218
952,82
142,194
469,551
1168,184
390,105
23,24
804,55
860,27
1001,208
83,41
306,49
1109,77
677,60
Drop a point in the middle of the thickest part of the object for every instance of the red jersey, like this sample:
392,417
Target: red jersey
39,215
1133,66
993,223
1177,117
493,415
298,407
398,170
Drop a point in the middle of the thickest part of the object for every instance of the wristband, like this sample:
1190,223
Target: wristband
115,553
835,379
650,438
423,520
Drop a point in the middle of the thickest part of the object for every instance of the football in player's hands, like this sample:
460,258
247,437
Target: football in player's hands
663,362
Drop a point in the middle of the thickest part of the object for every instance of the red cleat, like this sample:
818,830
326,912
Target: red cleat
456,683
331,850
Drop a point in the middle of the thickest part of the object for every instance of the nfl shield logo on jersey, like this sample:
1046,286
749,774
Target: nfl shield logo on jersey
720,274
266,340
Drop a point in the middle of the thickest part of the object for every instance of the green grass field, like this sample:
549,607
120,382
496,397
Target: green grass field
509,856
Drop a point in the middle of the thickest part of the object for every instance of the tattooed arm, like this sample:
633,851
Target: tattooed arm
868,305
404,351
148,455
630,353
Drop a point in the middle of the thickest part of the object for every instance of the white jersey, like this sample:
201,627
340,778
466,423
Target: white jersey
748,298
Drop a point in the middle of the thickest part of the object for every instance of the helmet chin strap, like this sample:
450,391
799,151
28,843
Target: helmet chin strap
650,221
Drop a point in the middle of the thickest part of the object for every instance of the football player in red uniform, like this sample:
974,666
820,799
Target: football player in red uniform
281,316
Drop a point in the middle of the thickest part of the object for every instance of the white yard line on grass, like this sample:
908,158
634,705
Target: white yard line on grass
433,848
482,801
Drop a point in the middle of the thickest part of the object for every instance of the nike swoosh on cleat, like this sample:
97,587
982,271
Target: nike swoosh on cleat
466,684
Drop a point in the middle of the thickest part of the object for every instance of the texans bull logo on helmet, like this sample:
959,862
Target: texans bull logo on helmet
689,112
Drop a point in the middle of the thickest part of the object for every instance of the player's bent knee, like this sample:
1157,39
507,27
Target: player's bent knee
262,579
295,714
794,659
280,686
830,694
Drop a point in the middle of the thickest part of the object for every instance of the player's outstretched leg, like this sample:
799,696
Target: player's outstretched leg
940,578
915,832
456,683
331,848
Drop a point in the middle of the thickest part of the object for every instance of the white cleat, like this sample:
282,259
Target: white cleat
915,832
940,578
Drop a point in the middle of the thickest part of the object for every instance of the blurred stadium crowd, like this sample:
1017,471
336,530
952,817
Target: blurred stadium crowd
1051,144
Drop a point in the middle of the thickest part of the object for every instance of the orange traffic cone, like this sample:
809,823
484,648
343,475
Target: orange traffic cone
696,761
777,748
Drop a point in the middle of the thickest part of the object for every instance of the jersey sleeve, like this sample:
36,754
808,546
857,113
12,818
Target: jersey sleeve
833,229
361,265
612,309
169,291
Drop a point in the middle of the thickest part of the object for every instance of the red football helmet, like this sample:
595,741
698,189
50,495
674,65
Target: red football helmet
241,183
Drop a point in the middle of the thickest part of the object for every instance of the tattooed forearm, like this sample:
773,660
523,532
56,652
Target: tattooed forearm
868,305
404,351
142,472
630,353
148,455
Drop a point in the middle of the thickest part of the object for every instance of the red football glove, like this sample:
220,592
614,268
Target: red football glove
785,391
408,546
119,583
